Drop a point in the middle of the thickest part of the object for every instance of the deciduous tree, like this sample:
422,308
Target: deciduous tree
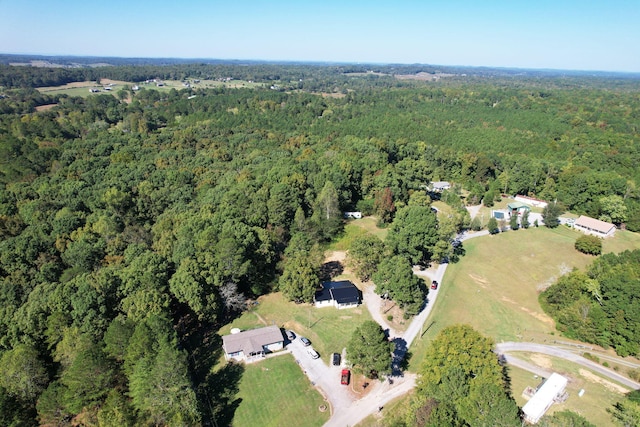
365,253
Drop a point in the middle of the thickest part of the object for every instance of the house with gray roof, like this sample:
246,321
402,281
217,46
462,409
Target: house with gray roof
254,344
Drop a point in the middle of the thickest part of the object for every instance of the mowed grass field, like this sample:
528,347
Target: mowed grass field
495,286
275,392
328,328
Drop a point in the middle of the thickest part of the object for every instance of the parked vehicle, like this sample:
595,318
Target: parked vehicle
305,341
345,377
291,335
434,285
314,354
335,359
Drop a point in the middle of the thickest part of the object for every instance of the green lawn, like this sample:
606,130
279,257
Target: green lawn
275,392
358,227
328,328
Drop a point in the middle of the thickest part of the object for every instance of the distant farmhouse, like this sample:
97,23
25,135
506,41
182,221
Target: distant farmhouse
551,391
594,226
352,215
343,294
252,345
440,186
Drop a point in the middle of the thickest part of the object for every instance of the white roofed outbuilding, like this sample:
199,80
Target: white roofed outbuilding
552,389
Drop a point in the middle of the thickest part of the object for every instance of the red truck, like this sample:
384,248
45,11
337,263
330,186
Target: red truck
345,377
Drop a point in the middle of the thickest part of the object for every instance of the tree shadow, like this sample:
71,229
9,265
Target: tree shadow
400,353
330,269
218,394
215,390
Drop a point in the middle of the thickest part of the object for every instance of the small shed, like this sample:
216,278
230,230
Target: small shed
594,226
552,389
517,208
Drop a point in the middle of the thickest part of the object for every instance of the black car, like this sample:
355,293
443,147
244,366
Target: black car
305,341
335,359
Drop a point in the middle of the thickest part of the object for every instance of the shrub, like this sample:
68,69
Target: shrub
590,245
591,357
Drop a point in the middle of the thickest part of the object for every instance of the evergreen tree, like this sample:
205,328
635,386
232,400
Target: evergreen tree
492,226
369,351
551,213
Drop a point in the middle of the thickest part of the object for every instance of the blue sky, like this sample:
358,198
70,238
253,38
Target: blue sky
571,34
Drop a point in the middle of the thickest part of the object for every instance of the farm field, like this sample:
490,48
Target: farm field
82,88
275,392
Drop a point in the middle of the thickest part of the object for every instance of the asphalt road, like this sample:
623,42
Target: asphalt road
506,347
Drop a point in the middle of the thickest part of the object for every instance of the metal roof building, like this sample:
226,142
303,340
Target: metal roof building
536,407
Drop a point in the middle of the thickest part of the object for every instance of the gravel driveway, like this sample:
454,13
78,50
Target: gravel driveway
323,376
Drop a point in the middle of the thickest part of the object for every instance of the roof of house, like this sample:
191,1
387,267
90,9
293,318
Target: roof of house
343,292
440,184
594,224
518,205
251,341
539,403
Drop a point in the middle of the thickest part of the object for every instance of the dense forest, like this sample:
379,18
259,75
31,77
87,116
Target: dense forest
133,226
601,305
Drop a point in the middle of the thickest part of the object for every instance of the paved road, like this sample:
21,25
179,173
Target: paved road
567,355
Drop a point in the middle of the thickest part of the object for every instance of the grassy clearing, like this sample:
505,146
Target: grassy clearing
328,328
592,405
355,228
275,392
495,286
82,88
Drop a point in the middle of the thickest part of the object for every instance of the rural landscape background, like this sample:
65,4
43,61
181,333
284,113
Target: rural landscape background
149,206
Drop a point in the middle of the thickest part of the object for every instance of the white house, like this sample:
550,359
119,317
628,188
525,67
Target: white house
549,392
253,344
342,294
594,226
440,186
